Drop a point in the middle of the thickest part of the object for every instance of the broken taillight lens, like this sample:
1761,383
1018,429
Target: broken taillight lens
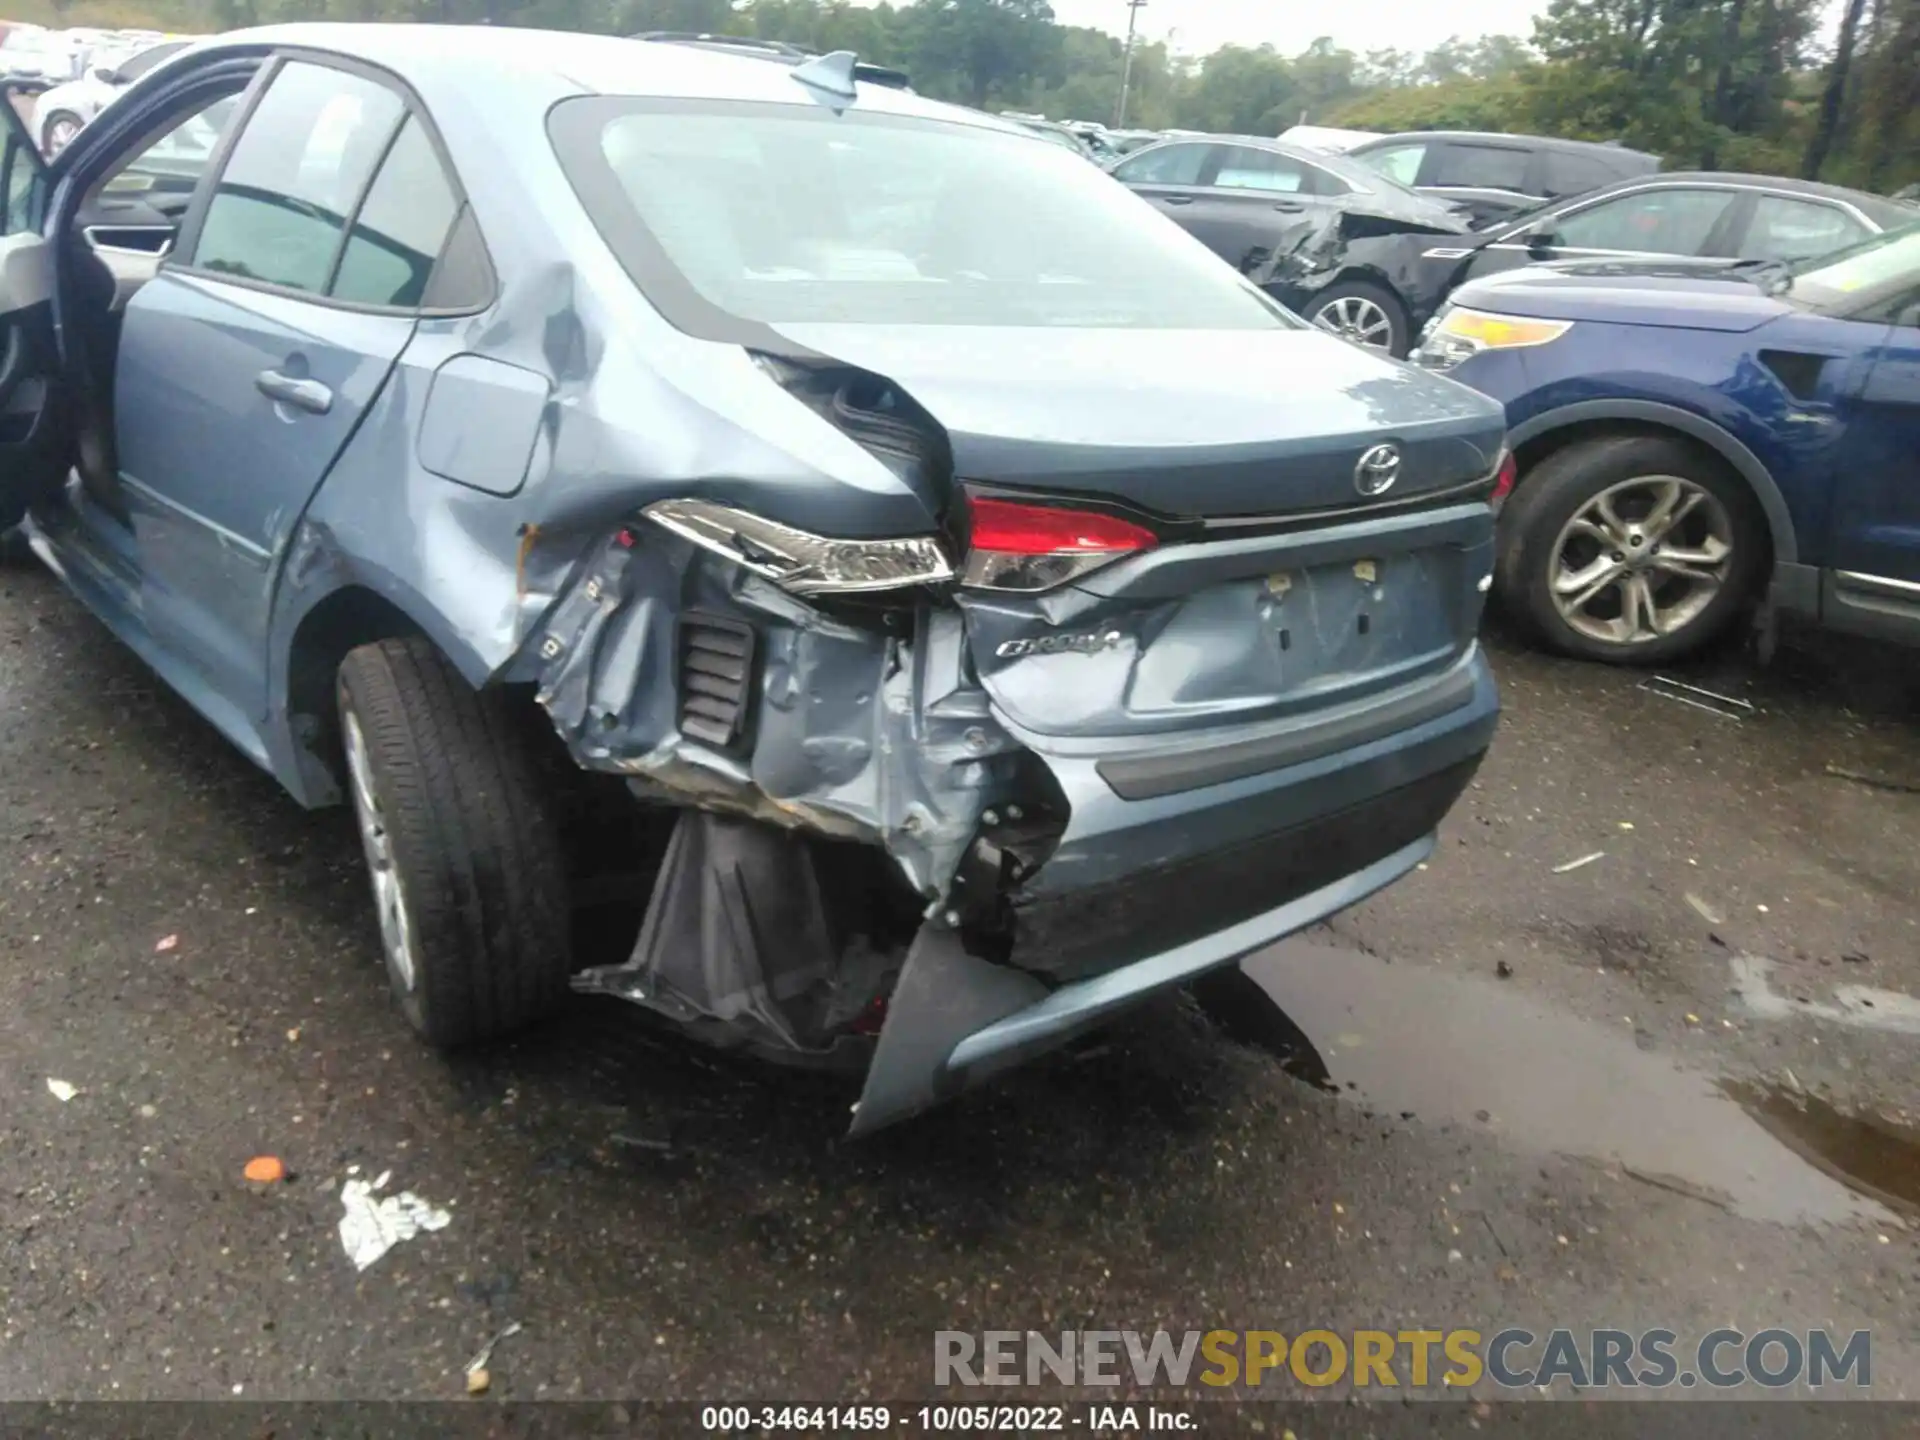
1014,545
798,560
1504,474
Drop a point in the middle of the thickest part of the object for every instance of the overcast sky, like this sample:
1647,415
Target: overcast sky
1358,25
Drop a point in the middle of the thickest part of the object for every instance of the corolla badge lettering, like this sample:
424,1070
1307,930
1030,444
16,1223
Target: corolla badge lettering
1377,470
1084,642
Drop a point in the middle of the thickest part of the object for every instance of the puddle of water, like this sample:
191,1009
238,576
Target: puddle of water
1871,1155
1444,1047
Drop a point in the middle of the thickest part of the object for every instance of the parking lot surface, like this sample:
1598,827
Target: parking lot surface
1668,1086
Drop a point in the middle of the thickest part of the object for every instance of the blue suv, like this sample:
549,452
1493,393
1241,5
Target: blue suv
1693,437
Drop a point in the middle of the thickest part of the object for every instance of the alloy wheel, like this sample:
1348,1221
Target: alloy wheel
1641,560
60,135
1356,318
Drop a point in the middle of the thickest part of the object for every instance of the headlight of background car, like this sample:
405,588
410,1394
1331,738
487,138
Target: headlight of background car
1462,333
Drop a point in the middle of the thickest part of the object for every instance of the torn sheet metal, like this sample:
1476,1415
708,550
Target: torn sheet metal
740,942
866,728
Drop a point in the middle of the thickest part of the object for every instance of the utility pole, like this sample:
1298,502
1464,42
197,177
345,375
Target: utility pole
1126,66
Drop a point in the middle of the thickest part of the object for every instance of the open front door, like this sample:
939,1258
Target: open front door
35,438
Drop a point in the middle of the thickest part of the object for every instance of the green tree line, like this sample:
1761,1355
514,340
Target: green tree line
1727,84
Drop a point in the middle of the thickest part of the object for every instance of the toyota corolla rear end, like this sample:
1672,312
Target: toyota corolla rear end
1143,635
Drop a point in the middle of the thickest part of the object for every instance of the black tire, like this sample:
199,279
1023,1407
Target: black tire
1565,483
481,884
1387,302
14,549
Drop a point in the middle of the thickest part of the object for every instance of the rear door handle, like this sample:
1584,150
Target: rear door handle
1176,199
308,395
1292,207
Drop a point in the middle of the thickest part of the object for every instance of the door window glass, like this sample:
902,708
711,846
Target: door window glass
295,175
1244,168
1788,229
175,162
1169,165
1399,163
1481,167
401,228
1661,222
1571,173
20,181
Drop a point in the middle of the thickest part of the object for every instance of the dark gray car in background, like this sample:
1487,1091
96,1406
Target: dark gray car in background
1495,176
985,628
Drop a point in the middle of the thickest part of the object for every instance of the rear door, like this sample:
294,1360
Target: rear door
1255,202
34,435
247,363
1167,175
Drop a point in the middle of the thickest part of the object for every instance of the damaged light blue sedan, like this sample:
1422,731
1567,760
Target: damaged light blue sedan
1001,610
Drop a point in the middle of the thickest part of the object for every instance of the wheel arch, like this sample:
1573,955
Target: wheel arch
337,622
1533,440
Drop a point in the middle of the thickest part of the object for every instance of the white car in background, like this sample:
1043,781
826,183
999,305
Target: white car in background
65,109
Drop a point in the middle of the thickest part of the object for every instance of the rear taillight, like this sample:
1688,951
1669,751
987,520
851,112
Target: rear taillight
1017,546
1504,475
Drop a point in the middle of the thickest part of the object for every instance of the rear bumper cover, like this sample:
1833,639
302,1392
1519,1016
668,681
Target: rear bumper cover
1254,860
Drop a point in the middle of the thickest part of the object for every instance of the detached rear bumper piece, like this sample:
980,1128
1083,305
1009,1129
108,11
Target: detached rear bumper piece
1292,847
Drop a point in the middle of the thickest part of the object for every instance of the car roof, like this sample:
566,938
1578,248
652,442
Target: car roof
431,57
1536,142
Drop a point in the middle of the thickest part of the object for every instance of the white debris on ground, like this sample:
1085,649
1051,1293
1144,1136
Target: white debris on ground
373,1224
60,1090
1863,1007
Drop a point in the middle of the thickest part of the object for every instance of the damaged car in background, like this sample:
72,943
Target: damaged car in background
1332,239
991,629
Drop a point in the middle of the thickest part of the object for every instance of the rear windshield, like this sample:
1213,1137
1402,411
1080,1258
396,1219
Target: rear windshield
791,213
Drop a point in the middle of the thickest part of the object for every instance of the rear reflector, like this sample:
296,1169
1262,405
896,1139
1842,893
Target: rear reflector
1017,546
1504,477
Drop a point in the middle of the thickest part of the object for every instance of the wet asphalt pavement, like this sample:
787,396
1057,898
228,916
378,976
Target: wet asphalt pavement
1664,1087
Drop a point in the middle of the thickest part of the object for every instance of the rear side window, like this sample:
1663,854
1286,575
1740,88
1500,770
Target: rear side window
401,228
1399,163
1169,165
1571,173
1480,167
1787,229
295,174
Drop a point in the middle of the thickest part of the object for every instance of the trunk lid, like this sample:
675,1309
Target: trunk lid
1207,641
1184,423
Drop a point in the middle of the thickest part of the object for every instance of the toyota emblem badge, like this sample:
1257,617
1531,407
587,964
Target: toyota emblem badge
1377,470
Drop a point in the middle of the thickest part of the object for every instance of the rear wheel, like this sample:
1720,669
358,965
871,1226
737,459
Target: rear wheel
1629,550
59,130
1369,315
463,854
